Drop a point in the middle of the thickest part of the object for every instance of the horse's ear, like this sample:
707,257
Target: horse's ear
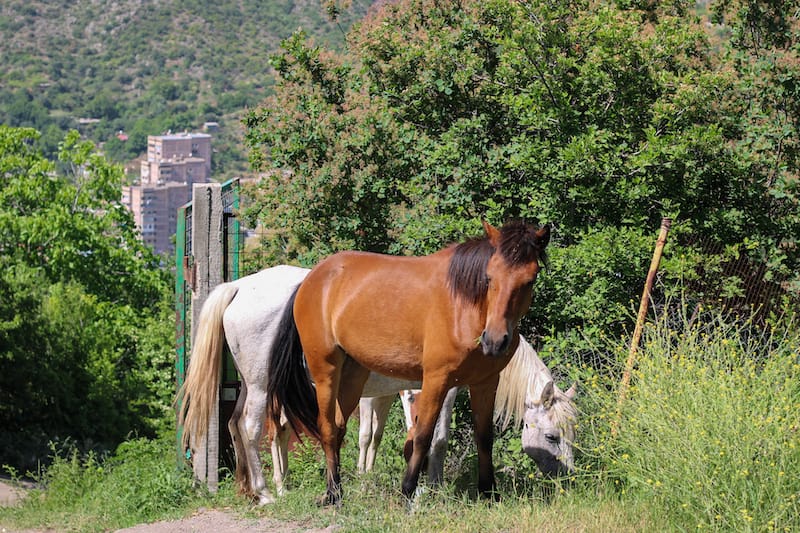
548,393
542,236
572,390
491,232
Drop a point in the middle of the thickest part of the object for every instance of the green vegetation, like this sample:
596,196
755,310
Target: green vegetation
145,68
601,118
139,483
710,428
85,320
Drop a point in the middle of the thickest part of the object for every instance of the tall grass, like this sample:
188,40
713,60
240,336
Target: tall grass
709,433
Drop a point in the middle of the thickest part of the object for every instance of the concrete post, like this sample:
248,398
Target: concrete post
207,248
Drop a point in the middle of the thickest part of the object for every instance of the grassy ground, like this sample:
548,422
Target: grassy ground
142,486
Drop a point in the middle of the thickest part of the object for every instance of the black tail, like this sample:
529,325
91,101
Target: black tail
288,382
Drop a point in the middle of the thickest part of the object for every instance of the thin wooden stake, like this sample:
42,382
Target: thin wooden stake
643,305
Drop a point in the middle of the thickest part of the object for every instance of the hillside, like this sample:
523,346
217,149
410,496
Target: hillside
147,66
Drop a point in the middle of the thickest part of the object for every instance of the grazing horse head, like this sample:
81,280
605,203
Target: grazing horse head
528,396
549,430
498,272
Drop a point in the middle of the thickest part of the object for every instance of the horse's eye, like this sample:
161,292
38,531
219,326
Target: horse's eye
552,439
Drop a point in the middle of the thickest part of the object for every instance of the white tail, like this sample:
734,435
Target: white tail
198,393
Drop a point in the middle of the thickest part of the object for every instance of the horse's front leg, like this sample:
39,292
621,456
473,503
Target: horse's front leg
429,403
482,404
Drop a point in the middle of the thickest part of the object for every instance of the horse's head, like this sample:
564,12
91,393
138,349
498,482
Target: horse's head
549,430
510,273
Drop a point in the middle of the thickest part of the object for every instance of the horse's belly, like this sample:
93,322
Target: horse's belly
381,351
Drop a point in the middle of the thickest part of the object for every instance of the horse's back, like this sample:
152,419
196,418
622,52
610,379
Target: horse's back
251,319
377,308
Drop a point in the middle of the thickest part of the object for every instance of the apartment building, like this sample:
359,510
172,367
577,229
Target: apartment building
174,163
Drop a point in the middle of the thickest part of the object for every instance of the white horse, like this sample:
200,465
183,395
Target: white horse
245,313
548,416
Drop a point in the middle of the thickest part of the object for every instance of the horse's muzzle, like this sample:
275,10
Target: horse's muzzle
494,347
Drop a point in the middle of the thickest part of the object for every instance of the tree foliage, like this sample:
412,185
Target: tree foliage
601,118
84,314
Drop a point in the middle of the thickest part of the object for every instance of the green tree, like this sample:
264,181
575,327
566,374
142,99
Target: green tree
85,343
763,51
601,118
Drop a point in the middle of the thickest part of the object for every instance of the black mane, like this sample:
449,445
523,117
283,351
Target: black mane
466,275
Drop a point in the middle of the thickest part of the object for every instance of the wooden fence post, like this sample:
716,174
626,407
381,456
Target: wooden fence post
643,305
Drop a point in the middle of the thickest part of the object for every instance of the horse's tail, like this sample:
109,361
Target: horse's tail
198,393
289,385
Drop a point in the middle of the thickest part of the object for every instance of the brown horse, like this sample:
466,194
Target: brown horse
447,319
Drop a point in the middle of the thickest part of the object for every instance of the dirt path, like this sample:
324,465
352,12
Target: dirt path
9,494
202,521
216,521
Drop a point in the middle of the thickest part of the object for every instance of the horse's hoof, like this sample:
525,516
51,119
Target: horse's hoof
265,499
327,500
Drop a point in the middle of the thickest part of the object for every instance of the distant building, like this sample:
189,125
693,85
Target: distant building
174,163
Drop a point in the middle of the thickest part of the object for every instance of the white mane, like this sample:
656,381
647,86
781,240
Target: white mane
521,384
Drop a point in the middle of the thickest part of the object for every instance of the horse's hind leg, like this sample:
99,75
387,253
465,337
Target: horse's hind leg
365,410
250,427
325,367
242,471
280,454
438,451
372,421
335,405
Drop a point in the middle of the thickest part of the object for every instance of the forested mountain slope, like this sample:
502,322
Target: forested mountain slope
145,66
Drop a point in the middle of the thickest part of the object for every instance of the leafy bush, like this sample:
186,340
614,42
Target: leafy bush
601,119
85,310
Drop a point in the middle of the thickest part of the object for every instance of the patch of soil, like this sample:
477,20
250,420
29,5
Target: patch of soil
216,521
11,494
